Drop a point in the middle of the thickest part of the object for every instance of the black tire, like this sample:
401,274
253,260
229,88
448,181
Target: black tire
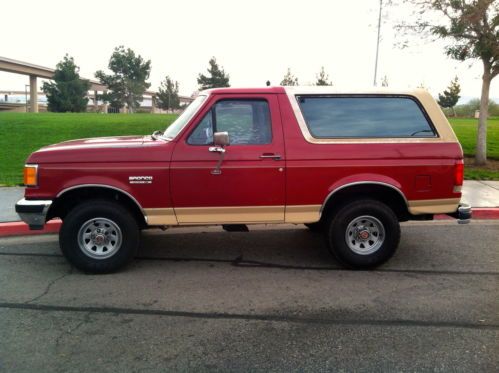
354,220
116,222
315,227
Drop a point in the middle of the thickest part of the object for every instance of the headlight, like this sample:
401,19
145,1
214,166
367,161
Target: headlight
31,175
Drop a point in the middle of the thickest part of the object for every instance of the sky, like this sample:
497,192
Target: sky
254,41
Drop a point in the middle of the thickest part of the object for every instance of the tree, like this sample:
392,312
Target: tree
384,81
450,97
167,95
216,78
67,92
472,30
128,83
322,78
289,79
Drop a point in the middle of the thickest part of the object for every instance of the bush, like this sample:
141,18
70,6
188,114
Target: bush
468,109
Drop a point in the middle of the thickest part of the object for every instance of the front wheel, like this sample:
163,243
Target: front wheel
363,234
99,236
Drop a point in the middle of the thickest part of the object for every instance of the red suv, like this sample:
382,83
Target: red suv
350,164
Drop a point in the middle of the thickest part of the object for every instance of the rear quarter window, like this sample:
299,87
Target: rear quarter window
365,117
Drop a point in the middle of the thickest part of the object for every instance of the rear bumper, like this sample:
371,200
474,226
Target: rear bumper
33,212
463,214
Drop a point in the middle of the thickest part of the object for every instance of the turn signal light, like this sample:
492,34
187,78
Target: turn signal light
459,173
30,175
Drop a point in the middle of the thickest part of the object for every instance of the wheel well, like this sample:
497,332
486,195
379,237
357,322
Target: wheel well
385,194
68,200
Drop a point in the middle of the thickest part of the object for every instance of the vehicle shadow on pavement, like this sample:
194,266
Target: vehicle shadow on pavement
276,248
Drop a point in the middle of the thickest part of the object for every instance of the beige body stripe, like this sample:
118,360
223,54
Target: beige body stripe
297,214
303,213
237,214
433,206
161,216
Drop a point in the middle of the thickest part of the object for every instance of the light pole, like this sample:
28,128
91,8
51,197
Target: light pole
377,42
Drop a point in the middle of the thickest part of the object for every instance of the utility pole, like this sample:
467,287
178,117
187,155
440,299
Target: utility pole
377,42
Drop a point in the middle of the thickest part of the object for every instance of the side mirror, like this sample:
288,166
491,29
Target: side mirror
221,139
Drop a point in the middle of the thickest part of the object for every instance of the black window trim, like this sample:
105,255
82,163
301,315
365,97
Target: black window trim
369,95
214,122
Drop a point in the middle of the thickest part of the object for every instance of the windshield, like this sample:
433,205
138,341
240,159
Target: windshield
172,131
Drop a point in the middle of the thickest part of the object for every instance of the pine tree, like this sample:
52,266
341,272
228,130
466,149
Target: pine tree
68,92
322,78
216,77
450,97
168,94
289,79
384,81
128,83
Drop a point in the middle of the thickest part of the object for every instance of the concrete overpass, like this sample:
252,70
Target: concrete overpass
35,71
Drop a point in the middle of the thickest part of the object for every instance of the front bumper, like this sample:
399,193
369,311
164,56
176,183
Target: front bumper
33,212
463,214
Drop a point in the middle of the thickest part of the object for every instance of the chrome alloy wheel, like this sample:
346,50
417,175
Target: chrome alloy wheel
99,238
365,235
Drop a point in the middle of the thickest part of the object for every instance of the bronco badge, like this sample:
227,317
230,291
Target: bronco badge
140,179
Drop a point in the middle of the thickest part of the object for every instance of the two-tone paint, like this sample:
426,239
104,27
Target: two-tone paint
287,180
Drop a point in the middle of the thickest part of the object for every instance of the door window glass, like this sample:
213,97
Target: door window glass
246,121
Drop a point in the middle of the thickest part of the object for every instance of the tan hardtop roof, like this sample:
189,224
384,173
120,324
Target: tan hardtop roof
316,90
324,90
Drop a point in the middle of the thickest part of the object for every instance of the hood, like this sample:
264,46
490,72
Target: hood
97,143
104,149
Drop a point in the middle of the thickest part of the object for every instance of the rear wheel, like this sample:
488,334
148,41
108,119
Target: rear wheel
363,234
99,236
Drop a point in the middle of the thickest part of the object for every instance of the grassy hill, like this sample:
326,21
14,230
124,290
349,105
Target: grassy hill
23,133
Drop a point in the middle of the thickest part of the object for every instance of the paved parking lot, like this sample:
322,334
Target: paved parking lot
272,299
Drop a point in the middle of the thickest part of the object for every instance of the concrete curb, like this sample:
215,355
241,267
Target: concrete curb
18,228
479,213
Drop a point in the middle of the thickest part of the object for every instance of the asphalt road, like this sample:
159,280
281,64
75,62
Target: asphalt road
200,299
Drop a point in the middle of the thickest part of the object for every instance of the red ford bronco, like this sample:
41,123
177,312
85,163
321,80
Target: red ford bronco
352,165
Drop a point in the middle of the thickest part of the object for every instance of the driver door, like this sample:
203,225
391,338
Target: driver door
250,187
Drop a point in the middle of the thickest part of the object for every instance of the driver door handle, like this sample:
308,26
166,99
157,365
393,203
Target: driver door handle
274,156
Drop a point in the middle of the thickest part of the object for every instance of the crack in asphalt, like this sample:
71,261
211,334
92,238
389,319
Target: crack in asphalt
246,263
86,320
49,286
251,317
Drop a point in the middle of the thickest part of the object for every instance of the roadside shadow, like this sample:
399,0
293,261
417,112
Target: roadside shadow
276,248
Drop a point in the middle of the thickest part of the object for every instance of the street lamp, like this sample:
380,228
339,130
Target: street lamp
377,42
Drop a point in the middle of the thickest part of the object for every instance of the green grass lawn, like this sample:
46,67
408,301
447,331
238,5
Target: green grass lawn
23,133
466,132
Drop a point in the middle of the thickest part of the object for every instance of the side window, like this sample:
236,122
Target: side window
364,117
246,121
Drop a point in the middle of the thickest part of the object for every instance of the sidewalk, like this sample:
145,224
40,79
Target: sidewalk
482,196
